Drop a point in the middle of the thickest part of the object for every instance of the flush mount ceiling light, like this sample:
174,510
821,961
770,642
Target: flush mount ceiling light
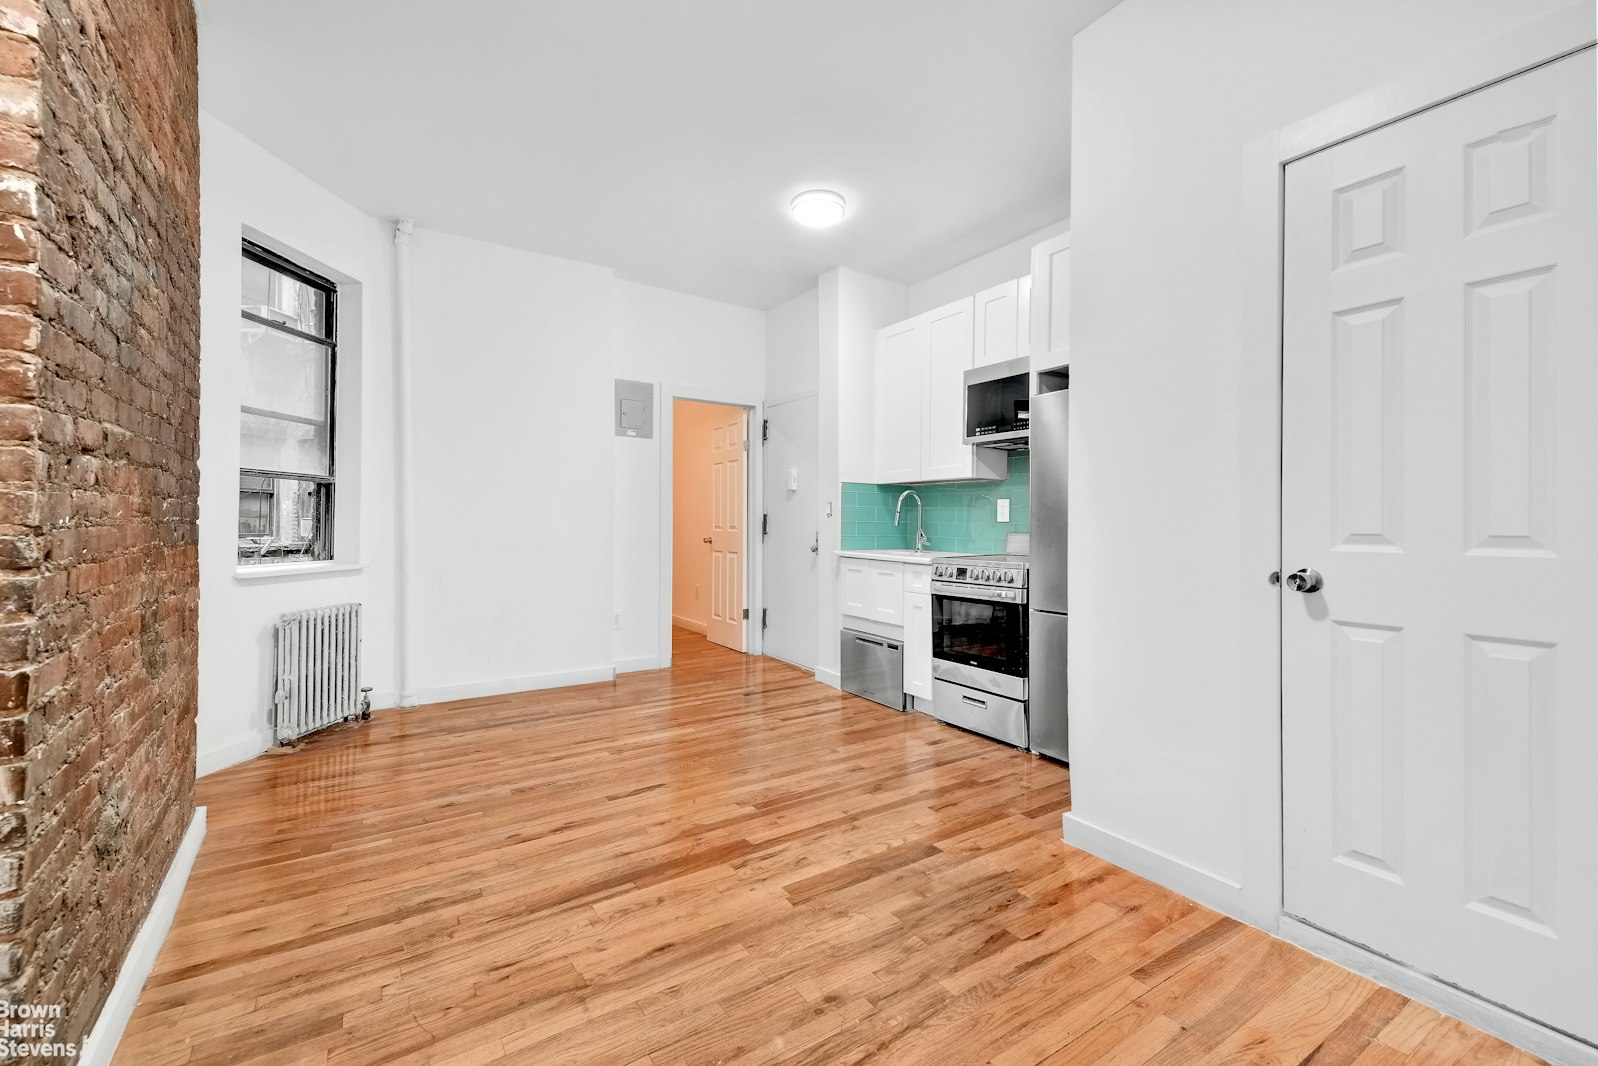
818,208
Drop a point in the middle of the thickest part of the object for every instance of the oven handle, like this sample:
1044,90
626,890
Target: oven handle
981,593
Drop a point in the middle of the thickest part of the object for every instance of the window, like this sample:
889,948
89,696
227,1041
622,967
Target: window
290,349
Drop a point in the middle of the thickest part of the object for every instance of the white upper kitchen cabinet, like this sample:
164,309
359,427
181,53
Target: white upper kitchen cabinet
949,332
900,400
1051,303
1023,340
997,324
919,404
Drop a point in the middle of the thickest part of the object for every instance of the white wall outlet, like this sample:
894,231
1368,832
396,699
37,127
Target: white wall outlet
1003,509
616,620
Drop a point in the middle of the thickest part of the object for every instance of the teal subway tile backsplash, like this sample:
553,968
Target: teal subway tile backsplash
960,516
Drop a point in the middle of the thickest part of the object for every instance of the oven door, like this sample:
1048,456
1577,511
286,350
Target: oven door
979,637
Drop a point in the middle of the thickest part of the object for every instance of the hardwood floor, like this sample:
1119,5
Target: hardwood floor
724,862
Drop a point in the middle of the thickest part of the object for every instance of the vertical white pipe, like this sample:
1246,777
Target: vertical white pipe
404,630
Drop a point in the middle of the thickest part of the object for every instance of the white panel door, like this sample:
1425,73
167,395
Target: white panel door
1440,470
1051,303
728,529
792,565
997,312
900,400
948,358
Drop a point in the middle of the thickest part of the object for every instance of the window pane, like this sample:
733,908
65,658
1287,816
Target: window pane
281,298
284,375
268,443
283,520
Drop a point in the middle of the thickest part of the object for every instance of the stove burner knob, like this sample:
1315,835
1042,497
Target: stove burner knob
1009,577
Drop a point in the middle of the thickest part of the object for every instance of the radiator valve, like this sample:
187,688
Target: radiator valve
366,703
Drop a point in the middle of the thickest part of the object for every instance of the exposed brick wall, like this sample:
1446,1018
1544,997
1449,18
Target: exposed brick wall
99,432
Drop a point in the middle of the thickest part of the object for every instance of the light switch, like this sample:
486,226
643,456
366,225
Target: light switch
793,481
1003,509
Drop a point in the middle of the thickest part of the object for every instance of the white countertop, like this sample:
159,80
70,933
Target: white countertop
897,555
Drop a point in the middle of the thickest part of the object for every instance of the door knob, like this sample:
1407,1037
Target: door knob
709,540
1305,581
815,545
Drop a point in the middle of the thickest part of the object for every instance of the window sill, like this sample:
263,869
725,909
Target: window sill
284,571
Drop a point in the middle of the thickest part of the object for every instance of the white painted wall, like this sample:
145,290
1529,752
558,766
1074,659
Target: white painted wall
1012,260
246,190
703,347
1166,95
793,348
511,555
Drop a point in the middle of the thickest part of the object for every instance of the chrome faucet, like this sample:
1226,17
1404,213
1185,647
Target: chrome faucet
898,511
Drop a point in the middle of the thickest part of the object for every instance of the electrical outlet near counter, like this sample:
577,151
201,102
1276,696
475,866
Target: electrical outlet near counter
1001,511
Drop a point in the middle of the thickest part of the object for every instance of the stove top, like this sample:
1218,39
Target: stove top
1003,570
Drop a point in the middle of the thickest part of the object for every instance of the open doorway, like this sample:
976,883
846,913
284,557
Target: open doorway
710,527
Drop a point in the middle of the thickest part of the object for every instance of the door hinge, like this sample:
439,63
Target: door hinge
765,429
746,613
765,524
764,619
746,444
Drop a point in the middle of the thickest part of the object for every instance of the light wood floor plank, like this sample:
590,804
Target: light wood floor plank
724,862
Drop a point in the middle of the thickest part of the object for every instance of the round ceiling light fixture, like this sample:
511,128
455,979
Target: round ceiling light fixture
818,208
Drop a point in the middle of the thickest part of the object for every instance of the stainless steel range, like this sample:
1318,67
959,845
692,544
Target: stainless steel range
979,645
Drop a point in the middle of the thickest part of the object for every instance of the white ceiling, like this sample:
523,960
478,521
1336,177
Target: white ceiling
664,138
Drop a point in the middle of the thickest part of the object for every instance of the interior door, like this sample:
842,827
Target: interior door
1440,444
728,528
792,562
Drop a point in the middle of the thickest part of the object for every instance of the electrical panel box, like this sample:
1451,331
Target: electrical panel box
635,409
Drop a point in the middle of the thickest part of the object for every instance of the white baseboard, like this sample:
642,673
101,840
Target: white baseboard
1507,1025
102,1041
1212,890
829,677
689,624
506,686
211,760
632,666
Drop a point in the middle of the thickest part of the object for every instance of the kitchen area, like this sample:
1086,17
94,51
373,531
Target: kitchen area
951,570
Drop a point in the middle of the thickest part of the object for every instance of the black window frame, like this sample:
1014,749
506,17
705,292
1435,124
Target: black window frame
323,543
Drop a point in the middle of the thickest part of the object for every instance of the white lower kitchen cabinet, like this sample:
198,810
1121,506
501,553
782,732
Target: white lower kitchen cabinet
892,599
918,644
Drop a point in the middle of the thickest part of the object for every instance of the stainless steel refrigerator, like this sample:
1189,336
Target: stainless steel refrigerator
1046,688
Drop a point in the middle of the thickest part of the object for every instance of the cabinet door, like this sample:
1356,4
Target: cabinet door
918,644
857,588
1023,317
1051,303
997,320
900,400
948,358
887,593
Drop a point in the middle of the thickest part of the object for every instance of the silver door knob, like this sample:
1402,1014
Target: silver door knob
1305,581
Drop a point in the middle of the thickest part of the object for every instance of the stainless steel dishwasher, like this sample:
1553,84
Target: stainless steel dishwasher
873,667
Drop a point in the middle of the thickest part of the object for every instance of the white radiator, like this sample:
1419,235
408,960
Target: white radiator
318,669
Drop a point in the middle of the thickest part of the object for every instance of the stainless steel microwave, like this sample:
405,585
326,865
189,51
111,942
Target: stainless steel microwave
998,404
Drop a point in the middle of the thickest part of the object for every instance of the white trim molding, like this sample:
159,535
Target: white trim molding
1489,1017
1212,890
211,760
472,690
102,1040
633,666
